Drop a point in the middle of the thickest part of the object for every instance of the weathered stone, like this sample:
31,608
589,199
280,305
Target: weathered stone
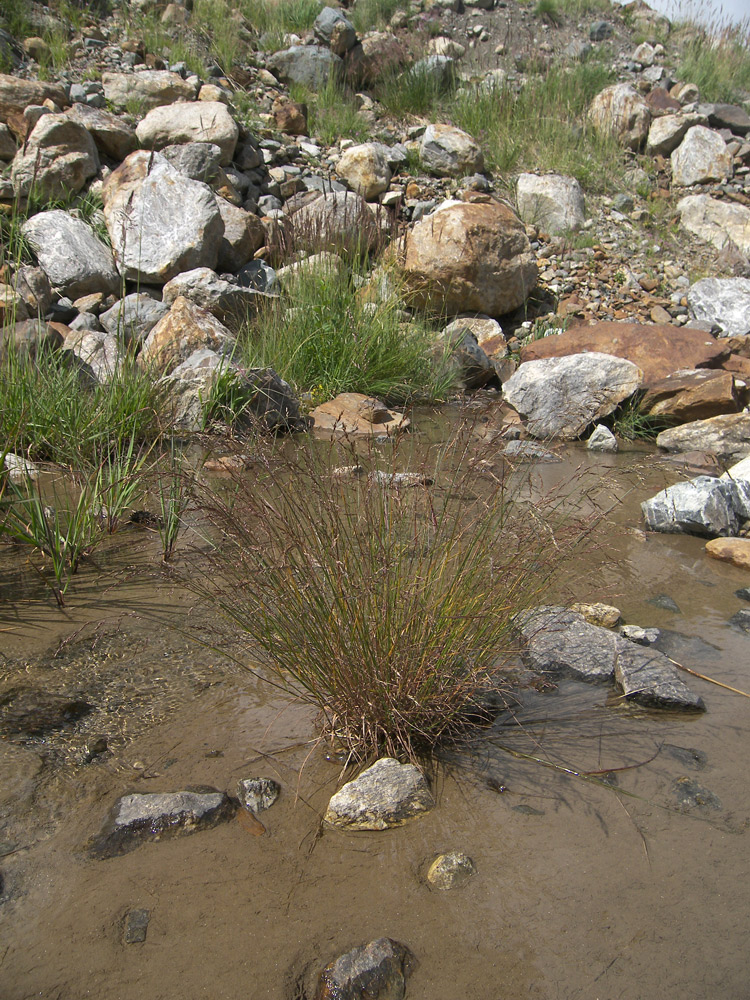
374,971
152,816
443,46
730,116
29,338
450,871
133,317
243,235
197,121
529,451
621,111
721,223
113,137
553,203
387,794
722,302
352,413
230,303
289,116
201,161
379,54
702,156
12,307
19,469
7,144
473,366
727,436
32,284
333,29
190,385
186,328
658,350
136,926
309,65
666,133
147,88
644,54
97,349
70,254
485,329
691,395
600,30
560,397
160,222
704,506
602,439
258,794
643,636
16,95
648,677
438,71
604,615
741,619
732,550
258,275
691,795
469,258
58,157
448,152
365,169
339,221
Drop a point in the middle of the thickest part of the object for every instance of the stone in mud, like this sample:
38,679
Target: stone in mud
257,794
604,615
741,620
374,971
31,712
642,636
743,593
151,816
136,924
387,794
649,678
353,413
691,795
666,603
450,871
696,760
602,439
529,451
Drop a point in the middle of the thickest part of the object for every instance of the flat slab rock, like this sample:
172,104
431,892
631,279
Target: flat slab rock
561,642
387,794
151,816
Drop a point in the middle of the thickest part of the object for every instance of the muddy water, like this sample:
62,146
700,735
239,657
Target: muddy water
594,887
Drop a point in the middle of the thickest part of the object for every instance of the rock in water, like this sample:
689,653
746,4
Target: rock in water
374,971
387,794
450,871
257,794
137,818
702,506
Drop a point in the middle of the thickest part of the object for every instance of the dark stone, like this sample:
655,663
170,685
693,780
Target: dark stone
646,676
271,401
374,971
31,712
687,756
150,816
729,116
136,925
665,602
741,619
743,593
691,795
600,30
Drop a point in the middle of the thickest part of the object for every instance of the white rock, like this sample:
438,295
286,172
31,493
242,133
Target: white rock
365,169
702,156
198,121
74,259
387,794
449,152
553,203
602,439
724,302
718,222
620,109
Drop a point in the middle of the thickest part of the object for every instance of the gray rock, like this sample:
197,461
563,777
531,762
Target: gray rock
7,143
741,619
602,440
375,971
243,235
702,156
309,65
257,794
152,816
552,202
643,636
201,161
743,593
113,137
727,436
136,926
650,679
600,30
450,871
666,133
441,70
578,50
146,88
722,302
271,403
666,603
133,317
331,26
730,116
58,157
704,506
530,451
73,258
387,794
696,760
160,222
691,795
339,221
474,368
204,121
29,338
230,303
560,397
448,152
258,275
718,222
98,350
621,111
190,385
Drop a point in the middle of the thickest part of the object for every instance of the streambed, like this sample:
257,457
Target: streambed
627,883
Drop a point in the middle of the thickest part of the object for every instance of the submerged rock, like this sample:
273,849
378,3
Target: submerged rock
649,679
31,712
374,971
451,870
257,794
387,794
151,816
691,795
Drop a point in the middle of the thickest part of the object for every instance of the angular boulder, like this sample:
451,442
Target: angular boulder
160,222
448,152
720,223
551,202
365,169
16,95
691,395
204,121
666,133
230,303
387,794
184,329
621,111
722,302
332,28
58,157
727,436
561,397
469,258
113,137
339,221
133,317
702,156
70,254
148,88
704,506
243,235
98,350
308,65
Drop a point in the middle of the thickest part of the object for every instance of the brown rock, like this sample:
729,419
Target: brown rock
691,395
290,116
659,100
352,413
732,550
184,329
658,350
30,337
16,95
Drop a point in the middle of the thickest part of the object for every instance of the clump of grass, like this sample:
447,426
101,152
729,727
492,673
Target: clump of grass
719,67
279,17
630,423
332,112
368,14
323,336
172,492
548,11
388,609
415,91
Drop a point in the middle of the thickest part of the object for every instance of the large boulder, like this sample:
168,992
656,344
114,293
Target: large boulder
75,261
338,221
16,95
230,303
727,436
204,121
561,397
113,137
666,133
160,222
308,65
552,202
469,258
148,88
185,328
387,794
57,159
721,223
730,116
243,235
722,302
658,350
706,506
448,152
333,29
695,394
621,111
365,169
702,156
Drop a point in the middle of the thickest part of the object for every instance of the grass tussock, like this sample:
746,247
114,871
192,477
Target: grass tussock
718,66
333,112
389,609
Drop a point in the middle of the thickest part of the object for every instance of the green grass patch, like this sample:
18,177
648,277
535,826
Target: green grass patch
415,91
333,113
369,14
720,69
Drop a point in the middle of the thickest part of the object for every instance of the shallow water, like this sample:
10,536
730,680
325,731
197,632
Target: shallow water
597,886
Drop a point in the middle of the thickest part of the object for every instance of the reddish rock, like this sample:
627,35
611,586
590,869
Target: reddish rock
659,100
691,395
289,116
658,350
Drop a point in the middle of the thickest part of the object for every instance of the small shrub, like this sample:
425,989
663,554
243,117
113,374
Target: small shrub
548,11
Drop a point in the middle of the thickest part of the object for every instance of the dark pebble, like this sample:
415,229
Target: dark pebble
691,795
741,620
136,925
687,756
743,593
665,602
527,810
